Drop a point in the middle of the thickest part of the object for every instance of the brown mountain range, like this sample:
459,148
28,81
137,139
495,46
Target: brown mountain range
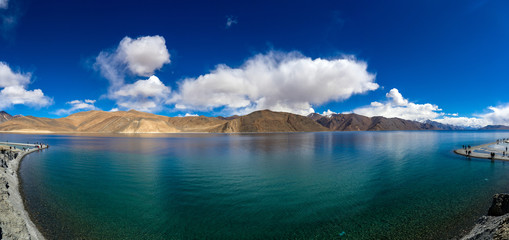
355,122
260,121
140,122
5,116
495,127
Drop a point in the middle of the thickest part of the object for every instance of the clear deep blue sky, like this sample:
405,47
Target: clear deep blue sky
454,54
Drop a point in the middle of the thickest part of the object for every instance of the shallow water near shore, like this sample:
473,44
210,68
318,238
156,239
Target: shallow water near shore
330,185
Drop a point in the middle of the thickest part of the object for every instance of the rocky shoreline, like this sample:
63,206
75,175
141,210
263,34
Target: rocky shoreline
495,225
15,222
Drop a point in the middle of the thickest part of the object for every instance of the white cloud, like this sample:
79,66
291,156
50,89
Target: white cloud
4,4
78,105
144,55
139,57
191,115
230,20
13,95
143,95
114,110
278,81
13,89
10,78
499,115
328,113
464,121
397,106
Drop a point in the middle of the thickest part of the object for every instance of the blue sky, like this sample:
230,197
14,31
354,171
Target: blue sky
451,55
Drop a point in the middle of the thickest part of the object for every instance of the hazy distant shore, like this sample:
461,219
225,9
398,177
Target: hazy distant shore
15,222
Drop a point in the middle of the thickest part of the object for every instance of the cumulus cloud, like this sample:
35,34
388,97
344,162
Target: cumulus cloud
328,113
78,105
230,21
13,95
397,106
14,91
498,115
278,81
472,122
144,95
10,78
135,57
191,115
144,55
141,57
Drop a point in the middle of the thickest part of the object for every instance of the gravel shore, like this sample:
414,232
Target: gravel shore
15,222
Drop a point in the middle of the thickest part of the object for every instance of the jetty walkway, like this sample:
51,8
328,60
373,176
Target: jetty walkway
495,150
25,145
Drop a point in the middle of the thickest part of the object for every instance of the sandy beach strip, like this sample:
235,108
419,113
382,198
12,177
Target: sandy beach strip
15,223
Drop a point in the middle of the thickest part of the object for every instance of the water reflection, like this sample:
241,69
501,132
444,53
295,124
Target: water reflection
258,186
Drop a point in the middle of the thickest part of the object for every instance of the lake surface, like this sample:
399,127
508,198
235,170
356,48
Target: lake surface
331,185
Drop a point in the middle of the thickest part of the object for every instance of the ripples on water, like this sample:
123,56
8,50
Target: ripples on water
369,185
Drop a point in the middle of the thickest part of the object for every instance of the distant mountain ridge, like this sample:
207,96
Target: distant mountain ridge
259,121
355,122
495,127
140,122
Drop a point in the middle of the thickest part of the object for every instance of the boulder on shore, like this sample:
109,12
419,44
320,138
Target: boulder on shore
496,224
500,205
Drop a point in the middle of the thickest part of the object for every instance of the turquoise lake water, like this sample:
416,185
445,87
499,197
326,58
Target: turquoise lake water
332,185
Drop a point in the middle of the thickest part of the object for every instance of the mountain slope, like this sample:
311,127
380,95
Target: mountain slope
355,122
5,117
260,121
141,122
35,124
268,121
495,127
345,122
446,126
120,122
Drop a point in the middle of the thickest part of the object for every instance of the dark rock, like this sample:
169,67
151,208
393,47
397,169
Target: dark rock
500,205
